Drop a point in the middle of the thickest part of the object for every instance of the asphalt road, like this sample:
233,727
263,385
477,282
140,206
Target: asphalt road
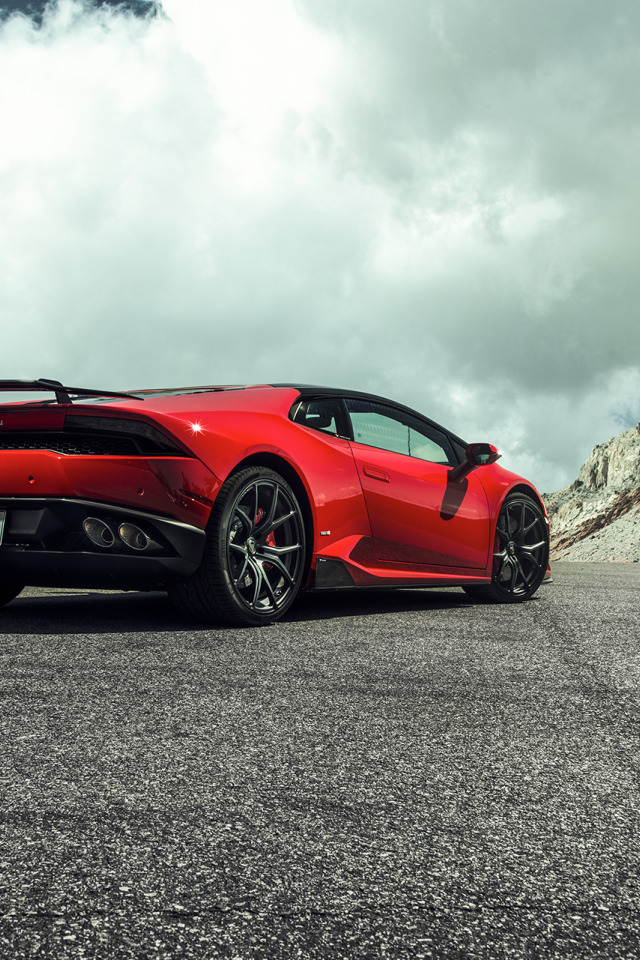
383,775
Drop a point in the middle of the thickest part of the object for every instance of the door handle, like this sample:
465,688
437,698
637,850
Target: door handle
376,474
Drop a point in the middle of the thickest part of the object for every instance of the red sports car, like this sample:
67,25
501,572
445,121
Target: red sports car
236,498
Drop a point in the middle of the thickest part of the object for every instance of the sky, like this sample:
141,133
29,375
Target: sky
432,200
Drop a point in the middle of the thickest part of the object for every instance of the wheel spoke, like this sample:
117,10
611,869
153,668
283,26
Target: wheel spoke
518,533
283,519
269,552
265,588
246,520
529,548
259,579
504,559
268,520
237,580
267,584
256,506
280,566
504,534
520,570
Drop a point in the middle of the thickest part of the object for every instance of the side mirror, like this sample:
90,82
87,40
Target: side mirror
475,455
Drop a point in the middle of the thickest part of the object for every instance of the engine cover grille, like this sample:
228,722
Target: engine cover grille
70,445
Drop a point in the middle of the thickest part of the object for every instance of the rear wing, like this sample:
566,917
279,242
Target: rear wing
63,394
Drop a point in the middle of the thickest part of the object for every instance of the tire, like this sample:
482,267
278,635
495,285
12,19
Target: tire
254,556
9,591
520,553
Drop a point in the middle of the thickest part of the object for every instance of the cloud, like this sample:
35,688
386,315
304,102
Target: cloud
433,201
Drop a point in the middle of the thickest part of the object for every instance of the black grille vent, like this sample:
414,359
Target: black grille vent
96,436
72,445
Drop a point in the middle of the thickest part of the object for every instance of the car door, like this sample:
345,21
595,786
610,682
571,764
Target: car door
416,515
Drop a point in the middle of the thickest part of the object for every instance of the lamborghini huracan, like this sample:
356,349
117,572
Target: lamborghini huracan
236,498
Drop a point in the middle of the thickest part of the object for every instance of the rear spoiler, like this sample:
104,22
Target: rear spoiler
63,394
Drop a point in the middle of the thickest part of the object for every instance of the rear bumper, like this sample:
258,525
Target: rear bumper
44,544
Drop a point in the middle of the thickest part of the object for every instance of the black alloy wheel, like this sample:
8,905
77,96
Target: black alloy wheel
520,552
265,545
8,592
255,555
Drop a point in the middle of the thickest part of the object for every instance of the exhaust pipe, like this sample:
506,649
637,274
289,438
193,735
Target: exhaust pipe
99,532
133,537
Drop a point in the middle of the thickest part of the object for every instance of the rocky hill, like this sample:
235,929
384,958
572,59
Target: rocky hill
597,517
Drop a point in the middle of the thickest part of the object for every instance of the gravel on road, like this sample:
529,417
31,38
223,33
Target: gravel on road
403,774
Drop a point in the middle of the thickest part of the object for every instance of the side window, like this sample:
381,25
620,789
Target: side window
324,415
377,425
375,429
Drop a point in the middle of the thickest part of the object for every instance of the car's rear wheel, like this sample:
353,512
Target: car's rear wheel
520,552
254,557
9,591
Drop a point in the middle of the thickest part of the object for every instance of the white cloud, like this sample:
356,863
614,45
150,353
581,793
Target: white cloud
433,201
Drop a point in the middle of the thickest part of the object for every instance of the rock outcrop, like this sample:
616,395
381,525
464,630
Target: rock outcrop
597,517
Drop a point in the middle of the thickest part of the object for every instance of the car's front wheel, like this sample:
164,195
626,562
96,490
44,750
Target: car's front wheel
254,557
520,552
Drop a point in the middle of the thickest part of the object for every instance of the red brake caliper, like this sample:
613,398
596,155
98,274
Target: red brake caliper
271,539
